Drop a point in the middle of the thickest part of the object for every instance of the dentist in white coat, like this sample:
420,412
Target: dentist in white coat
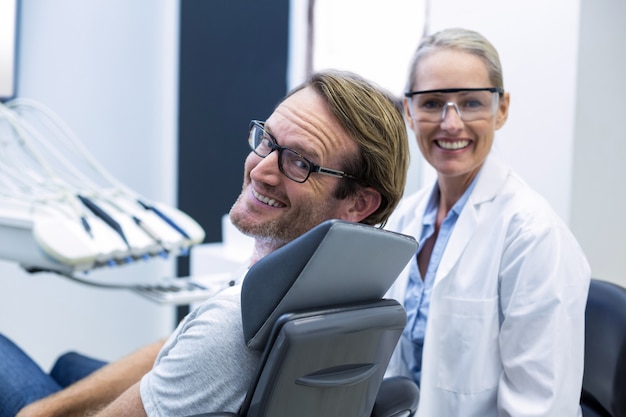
496,293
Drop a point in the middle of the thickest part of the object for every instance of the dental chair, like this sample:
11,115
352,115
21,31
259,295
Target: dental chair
604,378
315,309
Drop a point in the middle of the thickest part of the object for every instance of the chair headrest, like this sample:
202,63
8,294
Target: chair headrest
336,262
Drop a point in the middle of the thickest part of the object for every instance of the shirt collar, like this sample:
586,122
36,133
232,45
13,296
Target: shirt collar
430,215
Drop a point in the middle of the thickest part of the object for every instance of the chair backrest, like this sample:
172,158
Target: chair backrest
328,363
604,380
336,262
315,309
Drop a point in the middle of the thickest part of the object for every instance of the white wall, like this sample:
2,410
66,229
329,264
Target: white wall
599,194
377,40
372,38
537,41
8,10
563,64
109,69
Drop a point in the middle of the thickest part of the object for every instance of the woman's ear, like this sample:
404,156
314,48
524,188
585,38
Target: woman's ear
363,203
503,110
407,114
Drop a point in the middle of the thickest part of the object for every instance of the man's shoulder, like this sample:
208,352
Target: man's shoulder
223,304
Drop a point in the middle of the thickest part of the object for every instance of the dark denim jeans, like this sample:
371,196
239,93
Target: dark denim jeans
22,381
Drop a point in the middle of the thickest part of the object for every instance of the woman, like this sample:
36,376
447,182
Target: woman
496,293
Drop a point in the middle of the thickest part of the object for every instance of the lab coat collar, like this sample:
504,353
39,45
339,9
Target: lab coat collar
491,179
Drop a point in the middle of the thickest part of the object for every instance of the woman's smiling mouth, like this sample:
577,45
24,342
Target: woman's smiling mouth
452,145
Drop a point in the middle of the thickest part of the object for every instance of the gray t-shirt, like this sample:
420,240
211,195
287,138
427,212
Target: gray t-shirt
205,365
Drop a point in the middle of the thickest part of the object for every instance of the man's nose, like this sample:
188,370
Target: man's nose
266,169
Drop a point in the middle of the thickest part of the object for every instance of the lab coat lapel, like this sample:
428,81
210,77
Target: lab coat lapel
414,224
463,230
492,176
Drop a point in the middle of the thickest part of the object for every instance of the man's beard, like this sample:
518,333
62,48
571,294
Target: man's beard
283,229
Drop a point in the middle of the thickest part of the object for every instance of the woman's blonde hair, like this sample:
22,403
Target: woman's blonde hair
462,40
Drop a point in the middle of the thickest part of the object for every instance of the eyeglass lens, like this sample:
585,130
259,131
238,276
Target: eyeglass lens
471,105
291,163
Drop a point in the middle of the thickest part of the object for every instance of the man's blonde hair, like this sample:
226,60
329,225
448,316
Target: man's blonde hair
373,119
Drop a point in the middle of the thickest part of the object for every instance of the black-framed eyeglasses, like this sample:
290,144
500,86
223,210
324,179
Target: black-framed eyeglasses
470,103
291,163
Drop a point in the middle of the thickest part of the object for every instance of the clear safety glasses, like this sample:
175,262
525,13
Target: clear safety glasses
470,103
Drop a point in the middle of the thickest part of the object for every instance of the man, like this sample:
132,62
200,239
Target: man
335,147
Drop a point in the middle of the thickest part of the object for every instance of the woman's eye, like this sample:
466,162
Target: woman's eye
473,104
431,104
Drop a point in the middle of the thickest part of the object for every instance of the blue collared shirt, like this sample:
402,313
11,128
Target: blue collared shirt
417,298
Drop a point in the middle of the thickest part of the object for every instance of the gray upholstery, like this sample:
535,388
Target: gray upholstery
328,363
336,262
398,396
604,380
315,309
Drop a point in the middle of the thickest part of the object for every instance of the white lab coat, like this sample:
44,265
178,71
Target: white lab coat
505,332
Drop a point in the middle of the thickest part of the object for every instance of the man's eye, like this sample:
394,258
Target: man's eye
300,163
265,144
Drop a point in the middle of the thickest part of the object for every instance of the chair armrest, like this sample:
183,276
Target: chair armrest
397,396
216,415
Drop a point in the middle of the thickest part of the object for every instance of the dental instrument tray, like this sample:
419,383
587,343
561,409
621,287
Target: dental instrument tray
61,211
42,240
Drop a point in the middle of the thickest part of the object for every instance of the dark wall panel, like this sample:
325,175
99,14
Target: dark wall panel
233,68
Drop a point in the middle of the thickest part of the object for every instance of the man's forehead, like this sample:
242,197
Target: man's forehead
302,114
304,107
305,116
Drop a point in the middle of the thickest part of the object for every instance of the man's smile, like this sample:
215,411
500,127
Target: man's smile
267,200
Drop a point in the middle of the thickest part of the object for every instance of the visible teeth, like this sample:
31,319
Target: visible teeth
453,145
266,200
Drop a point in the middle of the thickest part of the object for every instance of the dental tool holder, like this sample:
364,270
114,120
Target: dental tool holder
42,240
61,211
